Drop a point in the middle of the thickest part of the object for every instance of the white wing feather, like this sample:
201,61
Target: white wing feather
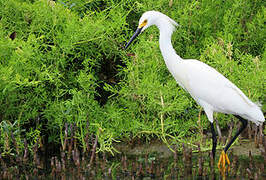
213,91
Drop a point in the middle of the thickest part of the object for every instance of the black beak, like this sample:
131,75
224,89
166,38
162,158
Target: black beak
137,32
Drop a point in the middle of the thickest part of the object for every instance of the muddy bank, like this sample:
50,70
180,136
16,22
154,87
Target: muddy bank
242,148
143,161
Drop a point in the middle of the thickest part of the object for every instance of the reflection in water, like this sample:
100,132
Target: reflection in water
151,160
186,165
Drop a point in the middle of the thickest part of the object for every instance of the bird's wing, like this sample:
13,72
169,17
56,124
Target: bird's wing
241,94
206,84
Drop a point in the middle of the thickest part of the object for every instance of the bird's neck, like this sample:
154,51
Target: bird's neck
166,46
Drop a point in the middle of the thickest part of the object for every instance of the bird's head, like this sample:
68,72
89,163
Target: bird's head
150,18
147,19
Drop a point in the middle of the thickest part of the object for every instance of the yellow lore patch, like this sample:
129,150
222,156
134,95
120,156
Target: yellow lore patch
143,23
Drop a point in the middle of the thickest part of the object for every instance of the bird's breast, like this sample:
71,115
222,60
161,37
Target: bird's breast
180,73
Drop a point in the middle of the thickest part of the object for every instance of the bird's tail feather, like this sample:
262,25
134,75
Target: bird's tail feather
255,115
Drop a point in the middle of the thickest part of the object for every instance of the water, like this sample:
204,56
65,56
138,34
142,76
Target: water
145,161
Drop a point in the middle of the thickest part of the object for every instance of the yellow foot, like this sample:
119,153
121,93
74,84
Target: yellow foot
222,161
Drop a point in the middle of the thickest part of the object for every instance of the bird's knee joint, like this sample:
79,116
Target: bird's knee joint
245,122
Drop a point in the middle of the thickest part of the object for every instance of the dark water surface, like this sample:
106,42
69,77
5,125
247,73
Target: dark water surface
146,161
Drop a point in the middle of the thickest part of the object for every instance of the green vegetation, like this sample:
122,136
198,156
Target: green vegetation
66,64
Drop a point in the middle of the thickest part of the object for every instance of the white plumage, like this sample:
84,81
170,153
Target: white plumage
209,88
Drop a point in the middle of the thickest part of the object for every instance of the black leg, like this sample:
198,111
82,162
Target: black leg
244,125
214,141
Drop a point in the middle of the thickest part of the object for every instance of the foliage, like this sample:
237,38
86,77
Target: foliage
66,64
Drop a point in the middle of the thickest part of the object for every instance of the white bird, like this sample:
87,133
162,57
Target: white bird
210,89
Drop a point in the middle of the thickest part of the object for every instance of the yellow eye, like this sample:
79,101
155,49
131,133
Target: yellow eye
144,23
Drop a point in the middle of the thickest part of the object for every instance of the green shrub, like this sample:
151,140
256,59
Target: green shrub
67,65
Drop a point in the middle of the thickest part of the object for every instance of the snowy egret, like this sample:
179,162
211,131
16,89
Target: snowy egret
210,89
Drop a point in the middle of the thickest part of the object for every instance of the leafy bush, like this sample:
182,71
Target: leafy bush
67,65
